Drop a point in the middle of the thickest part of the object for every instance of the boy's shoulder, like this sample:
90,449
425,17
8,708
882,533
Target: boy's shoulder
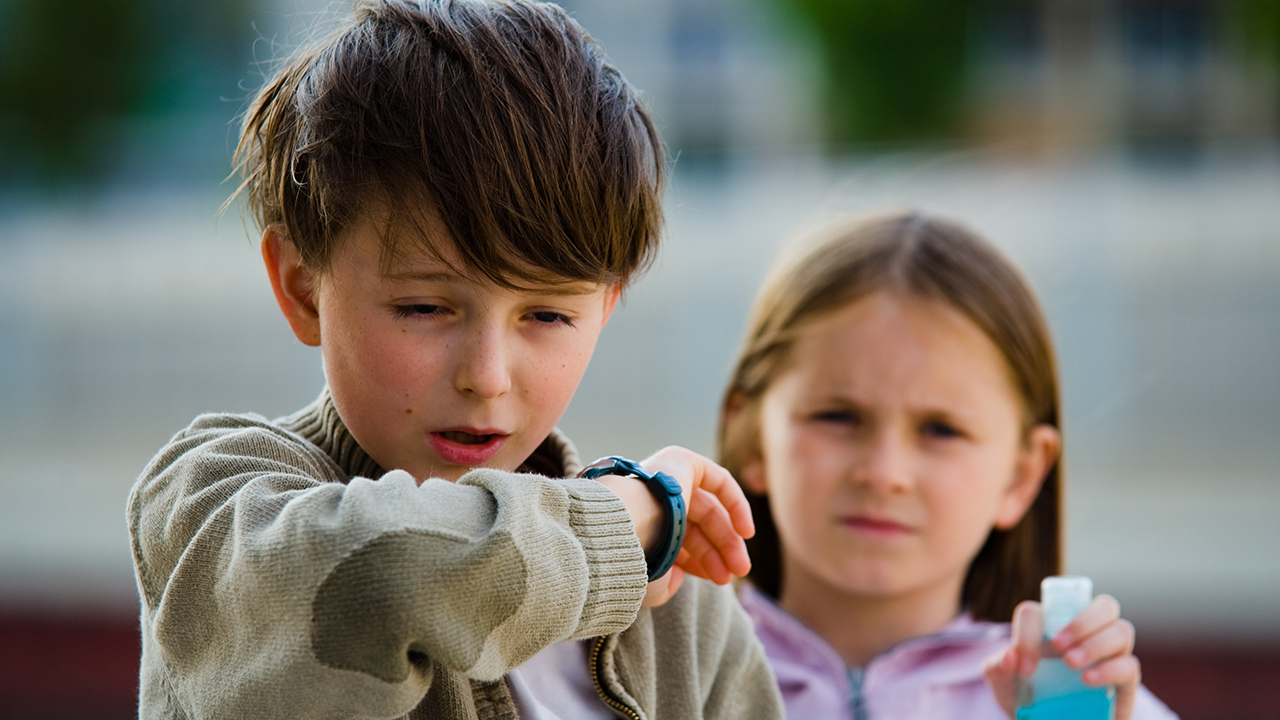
223,441
312,442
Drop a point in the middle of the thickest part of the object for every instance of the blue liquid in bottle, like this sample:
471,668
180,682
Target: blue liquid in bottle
1054,691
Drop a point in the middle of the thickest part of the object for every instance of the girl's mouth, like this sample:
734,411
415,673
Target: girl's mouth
875,527
470,447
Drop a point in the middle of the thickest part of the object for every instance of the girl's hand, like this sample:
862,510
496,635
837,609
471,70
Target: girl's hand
719,519
1097,639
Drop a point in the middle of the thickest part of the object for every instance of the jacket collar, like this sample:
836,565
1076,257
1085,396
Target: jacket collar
788,639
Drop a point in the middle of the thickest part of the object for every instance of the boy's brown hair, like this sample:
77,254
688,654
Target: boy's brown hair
500,119
938,260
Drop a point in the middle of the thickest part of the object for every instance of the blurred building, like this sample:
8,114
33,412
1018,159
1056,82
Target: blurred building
1157,76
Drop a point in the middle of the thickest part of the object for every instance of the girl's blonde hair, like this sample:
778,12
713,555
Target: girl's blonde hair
917,255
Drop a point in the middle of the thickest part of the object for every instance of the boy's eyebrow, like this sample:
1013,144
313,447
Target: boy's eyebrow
446,276
435,276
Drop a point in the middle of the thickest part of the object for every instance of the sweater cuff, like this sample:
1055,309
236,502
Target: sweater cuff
615,560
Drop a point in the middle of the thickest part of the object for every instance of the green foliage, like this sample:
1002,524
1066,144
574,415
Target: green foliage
1259,24
66,68
74,75
894,69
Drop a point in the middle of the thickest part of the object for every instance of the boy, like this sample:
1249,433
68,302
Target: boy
453,194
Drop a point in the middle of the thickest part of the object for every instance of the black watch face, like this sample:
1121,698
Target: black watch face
610,465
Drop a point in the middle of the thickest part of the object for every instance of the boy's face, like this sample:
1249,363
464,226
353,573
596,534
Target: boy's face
431,371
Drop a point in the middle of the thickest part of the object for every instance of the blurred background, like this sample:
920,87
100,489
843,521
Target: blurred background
1123,152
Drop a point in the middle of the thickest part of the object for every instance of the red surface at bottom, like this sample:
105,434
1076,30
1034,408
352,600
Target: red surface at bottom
1205,683
86,667
76,666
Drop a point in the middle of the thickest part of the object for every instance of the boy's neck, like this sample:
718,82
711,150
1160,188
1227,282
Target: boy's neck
860,627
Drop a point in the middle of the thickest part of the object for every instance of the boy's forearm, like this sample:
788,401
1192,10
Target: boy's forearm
271,572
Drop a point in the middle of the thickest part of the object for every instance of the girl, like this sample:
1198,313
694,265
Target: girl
894,419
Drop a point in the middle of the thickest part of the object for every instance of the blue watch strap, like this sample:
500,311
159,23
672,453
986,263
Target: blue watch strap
667,491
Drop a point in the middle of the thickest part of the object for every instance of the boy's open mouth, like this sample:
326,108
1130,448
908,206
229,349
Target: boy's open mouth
461,447
465,438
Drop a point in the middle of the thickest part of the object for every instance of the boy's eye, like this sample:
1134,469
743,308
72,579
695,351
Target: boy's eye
418,310
549,317
940,429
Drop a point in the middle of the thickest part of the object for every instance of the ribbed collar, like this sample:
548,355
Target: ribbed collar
320,424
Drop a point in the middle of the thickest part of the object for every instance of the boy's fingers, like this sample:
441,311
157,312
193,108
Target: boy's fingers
1027,631
721,484
1103,611
660,591
690,565
1113,640
712,519
706,554
677,579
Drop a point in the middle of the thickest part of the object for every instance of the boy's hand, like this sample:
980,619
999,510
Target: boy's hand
719,519
1097,639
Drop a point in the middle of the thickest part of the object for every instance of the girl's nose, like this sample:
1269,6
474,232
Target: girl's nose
885,464
483,366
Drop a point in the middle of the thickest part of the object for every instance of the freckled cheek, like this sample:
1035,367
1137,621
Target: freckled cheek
389,363
553,378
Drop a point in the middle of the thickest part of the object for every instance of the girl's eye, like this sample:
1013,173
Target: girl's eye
418,310
838,417
551,318
940,429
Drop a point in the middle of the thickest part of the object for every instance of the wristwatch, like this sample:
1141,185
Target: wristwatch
669,495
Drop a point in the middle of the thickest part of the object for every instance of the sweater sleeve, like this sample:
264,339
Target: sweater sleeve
271,588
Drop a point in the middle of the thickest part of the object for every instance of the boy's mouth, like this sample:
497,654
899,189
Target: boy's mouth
469,448
465,438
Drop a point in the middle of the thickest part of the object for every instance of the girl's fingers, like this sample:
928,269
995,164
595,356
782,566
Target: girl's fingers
1125,672
1001,674
1027,635
1112,641
1100,613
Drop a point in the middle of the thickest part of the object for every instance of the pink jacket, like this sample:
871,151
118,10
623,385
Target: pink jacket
932,677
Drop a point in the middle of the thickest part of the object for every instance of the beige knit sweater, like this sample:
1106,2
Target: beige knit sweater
283,574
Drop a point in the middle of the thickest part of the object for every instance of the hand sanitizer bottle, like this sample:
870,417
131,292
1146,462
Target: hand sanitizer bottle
1054,691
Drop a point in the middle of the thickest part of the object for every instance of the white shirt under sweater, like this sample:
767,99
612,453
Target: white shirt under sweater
556,684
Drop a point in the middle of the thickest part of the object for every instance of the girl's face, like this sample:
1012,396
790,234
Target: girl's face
892,442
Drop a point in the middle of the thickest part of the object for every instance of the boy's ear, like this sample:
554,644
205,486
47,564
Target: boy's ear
294,284
611,301
1036,458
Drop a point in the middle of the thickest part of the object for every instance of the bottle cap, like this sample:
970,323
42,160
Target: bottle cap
1063,597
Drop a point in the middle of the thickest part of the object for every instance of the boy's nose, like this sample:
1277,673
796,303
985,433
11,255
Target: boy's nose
482,368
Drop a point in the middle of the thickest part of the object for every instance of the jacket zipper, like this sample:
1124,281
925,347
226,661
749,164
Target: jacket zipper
597,674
